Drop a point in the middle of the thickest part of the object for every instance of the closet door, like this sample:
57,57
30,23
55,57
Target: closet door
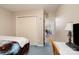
27,27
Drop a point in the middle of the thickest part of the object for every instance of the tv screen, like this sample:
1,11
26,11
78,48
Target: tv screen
76,34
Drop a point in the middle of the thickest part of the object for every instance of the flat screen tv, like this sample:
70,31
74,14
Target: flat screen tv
76,34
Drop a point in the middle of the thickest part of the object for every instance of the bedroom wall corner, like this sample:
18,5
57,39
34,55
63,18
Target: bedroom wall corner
7,22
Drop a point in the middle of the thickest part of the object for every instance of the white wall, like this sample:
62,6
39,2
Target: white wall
7,22
39,16
65,14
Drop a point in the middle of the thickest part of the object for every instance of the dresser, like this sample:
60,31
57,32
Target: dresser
60,48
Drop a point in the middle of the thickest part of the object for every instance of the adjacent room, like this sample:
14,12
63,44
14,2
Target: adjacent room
39,29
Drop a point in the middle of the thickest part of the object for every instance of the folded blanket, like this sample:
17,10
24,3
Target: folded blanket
3,42
21,40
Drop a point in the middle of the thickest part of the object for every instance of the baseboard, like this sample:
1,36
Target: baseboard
40,45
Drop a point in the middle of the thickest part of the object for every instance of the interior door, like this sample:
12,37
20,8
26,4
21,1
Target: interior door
27,27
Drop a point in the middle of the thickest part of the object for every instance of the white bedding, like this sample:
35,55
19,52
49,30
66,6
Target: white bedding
21,40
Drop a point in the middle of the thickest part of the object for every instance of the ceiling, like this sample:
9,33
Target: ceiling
27,7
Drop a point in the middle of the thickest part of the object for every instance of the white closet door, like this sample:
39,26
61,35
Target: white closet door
27,27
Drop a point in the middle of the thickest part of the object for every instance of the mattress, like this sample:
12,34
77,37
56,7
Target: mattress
21,40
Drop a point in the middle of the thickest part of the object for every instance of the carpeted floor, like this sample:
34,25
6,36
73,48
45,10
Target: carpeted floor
36,50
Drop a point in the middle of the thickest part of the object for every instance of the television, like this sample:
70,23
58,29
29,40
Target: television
76,34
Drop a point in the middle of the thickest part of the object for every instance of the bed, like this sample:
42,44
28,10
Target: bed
7,44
